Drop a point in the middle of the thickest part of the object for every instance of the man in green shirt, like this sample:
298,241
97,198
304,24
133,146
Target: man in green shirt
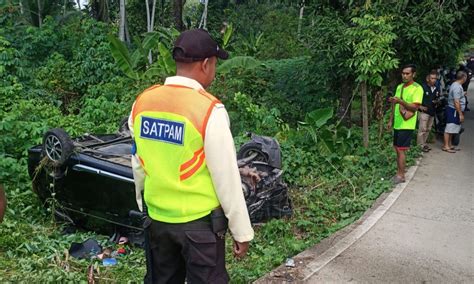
405,103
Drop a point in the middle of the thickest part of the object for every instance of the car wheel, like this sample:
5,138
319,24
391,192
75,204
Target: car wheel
57,146
252,149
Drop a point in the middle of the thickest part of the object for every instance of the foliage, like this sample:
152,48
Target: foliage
65,74
302,86
136,65
247,116
430,30
371,39
245,62
263,39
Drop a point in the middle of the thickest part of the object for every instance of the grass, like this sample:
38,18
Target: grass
33,248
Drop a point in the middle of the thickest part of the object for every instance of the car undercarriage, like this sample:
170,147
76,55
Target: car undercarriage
88,180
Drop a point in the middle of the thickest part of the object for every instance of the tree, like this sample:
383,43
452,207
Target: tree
99,9
373,55
40,20
330,47
123,30
35,11
178,14
150,23
203,22
300,18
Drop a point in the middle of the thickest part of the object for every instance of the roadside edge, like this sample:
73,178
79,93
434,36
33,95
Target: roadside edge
329,248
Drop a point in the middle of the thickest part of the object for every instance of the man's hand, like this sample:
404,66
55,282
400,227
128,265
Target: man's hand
240,249
395,100
423,108
461,117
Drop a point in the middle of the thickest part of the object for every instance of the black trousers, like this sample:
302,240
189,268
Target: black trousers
188,251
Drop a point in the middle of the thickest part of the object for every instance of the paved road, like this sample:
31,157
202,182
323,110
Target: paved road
427,236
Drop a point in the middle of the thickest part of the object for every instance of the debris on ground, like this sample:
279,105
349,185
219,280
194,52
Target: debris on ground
123,241
290,262
109,261
90,274
86,249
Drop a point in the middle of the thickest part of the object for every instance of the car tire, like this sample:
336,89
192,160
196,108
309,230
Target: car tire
251,148
57,146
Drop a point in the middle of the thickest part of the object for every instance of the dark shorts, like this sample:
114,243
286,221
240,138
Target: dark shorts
402,138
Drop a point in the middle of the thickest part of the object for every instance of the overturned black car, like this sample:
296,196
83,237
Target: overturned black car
88,180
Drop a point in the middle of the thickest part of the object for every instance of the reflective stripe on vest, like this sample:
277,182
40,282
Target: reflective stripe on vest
169,124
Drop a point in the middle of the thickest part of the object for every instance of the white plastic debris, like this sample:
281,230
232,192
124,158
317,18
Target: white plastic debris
290,262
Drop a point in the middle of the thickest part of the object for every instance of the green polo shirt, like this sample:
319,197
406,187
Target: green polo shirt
412,93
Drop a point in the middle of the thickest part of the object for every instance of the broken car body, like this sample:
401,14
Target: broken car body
88,180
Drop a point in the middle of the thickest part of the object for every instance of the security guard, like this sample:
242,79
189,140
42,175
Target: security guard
184,160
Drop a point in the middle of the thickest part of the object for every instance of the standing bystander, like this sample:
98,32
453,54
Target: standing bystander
427,110
454,111
405,103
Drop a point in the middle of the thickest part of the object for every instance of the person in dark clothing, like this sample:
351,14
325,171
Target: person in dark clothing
451,76
427,110
470,63
468,71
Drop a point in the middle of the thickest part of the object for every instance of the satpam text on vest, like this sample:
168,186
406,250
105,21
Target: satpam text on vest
169,131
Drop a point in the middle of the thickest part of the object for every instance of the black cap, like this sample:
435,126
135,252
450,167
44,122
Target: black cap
196,45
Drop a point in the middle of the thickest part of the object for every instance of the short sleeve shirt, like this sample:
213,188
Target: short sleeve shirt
456,92
412,93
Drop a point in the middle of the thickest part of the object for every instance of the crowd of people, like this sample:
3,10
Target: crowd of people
440,101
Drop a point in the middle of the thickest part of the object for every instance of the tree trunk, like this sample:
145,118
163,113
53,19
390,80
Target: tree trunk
393,80
40,20
122,21
365,117
345,100
79,4
123,29
100,10
178,14
162,11
127,34
300,19
148,25
152,23
203,22
378,110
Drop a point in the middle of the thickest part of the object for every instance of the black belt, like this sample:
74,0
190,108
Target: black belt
216,221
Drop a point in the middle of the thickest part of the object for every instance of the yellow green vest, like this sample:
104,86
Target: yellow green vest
411,94
169,124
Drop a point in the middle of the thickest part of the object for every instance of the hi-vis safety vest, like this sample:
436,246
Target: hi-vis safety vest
169,124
